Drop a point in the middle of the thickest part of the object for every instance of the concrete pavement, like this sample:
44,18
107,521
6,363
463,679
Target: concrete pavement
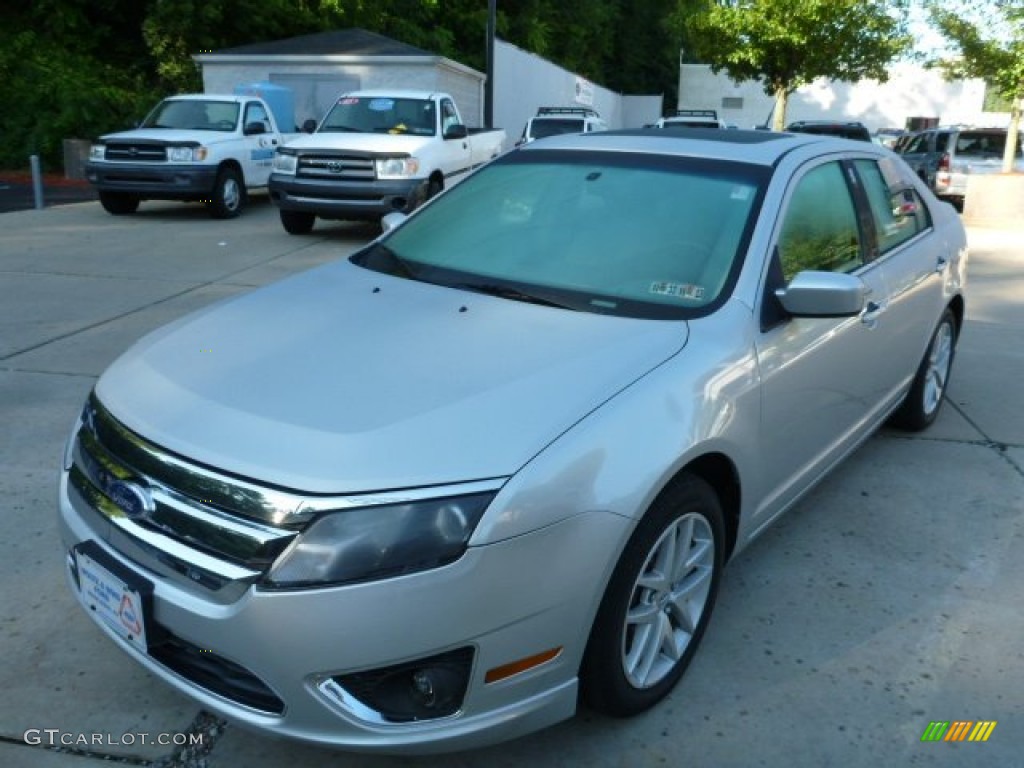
889,598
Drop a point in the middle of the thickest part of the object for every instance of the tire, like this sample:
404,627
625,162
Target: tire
434,188
228,196
921,405
119,203
648,627
297,222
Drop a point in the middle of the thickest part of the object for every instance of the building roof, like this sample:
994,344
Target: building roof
340,42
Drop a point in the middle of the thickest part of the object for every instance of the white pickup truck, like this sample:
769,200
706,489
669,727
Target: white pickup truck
213,148
374,153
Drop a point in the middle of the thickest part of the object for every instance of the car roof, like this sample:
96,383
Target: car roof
745,146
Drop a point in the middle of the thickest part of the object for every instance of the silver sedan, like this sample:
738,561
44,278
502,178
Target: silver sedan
432,496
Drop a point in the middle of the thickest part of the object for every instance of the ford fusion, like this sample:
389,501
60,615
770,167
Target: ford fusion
437,494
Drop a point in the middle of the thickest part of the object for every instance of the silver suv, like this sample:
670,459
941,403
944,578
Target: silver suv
945,157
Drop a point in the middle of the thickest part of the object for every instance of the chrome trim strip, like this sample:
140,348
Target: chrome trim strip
186,554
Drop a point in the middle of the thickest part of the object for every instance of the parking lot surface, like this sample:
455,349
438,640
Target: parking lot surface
889,598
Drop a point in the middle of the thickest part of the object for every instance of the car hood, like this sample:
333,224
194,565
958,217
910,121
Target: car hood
344,380
168,136
362,142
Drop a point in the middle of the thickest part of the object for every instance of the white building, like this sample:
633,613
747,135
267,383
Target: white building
911,91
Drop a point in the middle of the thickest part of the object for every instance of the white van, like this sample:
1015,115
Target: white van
552,121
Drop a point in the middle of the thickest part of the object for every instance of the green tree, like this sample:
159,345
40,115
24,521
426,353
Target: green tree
995,54
789,43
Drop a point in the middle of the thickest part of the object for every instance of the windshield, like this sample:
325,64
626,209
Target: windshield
194,115
613,233
540,129
352,114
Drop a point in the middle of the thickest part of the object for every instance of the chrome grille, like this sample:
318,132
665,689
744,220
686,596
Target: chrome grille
342,167
135,152
198,523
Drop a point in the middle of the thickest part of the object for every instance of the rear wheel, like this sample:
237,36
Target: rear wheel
658,602
119,203
228,194
921,405
297,222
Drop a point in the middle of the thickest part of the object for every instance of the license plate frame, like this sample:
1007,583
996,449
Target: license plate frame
120,598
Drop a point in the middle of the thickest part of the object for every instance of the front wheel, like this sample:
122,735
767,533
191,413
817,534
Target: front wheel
921,405
297,222
228,194
658,602
119,203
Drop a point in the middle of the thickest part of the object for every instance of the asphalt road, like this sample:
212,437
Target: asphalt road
888,599
18,194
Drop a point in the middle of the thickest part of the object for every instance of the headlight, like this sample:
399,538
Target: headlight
96,151
397,167
379,542
285,163
186,154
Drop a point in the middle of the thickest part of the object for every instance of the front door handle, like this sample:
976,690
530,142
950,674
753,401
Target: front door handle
940,264
869,316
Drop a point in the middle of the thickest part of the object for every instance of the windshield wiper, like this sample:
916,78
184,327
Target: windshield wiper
507,292
341,129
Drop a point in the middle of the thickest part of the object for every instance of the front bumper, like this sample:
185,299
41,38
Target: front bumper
346,199
505,601
153,182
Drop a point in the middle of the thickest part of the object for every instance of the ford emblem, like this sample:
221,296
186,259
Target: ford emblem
334,166
130,498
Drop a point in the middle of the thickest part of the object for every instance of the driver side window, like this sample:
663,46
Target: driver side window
820,231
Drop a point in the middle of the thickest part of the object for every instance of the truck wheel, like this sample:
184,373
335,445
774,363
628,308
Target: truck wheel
434,188
297,222
228,195
118,203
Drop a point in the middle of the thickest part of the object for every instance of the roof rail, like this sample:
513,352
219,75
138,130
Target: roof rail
696,113
587,111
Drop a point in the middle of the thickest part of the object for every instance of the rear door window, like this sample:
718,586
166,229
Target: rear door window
897,210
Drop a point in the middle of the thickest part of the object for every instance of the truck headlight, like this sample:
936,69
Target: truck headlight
96,151
397,167
285,163
186,154
379,542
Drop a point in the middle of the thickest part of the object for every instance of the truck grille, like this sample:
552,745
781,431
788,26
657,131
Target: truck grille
135,152
184,521
341,166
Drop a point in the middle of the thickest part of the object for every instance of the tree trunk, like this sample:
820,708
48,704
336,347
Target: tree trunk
1012,135
779,115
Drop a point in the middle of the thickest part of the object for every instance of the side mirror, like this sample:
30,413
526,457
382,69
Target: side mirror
253,129
823,294
457,131
309,125
392,220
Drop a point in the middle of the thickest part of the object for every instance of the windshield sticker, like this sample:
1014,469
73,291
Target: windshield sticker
381,105
740,193
679,290
348,101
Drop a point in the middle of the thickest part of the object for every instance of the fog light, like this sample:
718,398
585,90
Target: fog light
424,689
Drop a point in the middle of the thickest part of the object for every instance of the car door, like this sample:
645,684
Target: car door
821,387
454,154
913,259
259,147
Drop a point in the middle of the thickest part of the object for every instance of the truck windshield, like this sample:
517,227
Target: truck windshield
361,114
194,115
540,128
646,236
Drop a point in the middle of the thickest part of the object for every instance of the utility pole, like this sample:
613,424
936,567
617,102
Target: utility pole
492,14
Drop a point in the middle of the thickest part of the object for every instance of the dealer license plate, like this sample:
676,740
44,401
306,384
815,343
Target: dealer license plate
119,605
